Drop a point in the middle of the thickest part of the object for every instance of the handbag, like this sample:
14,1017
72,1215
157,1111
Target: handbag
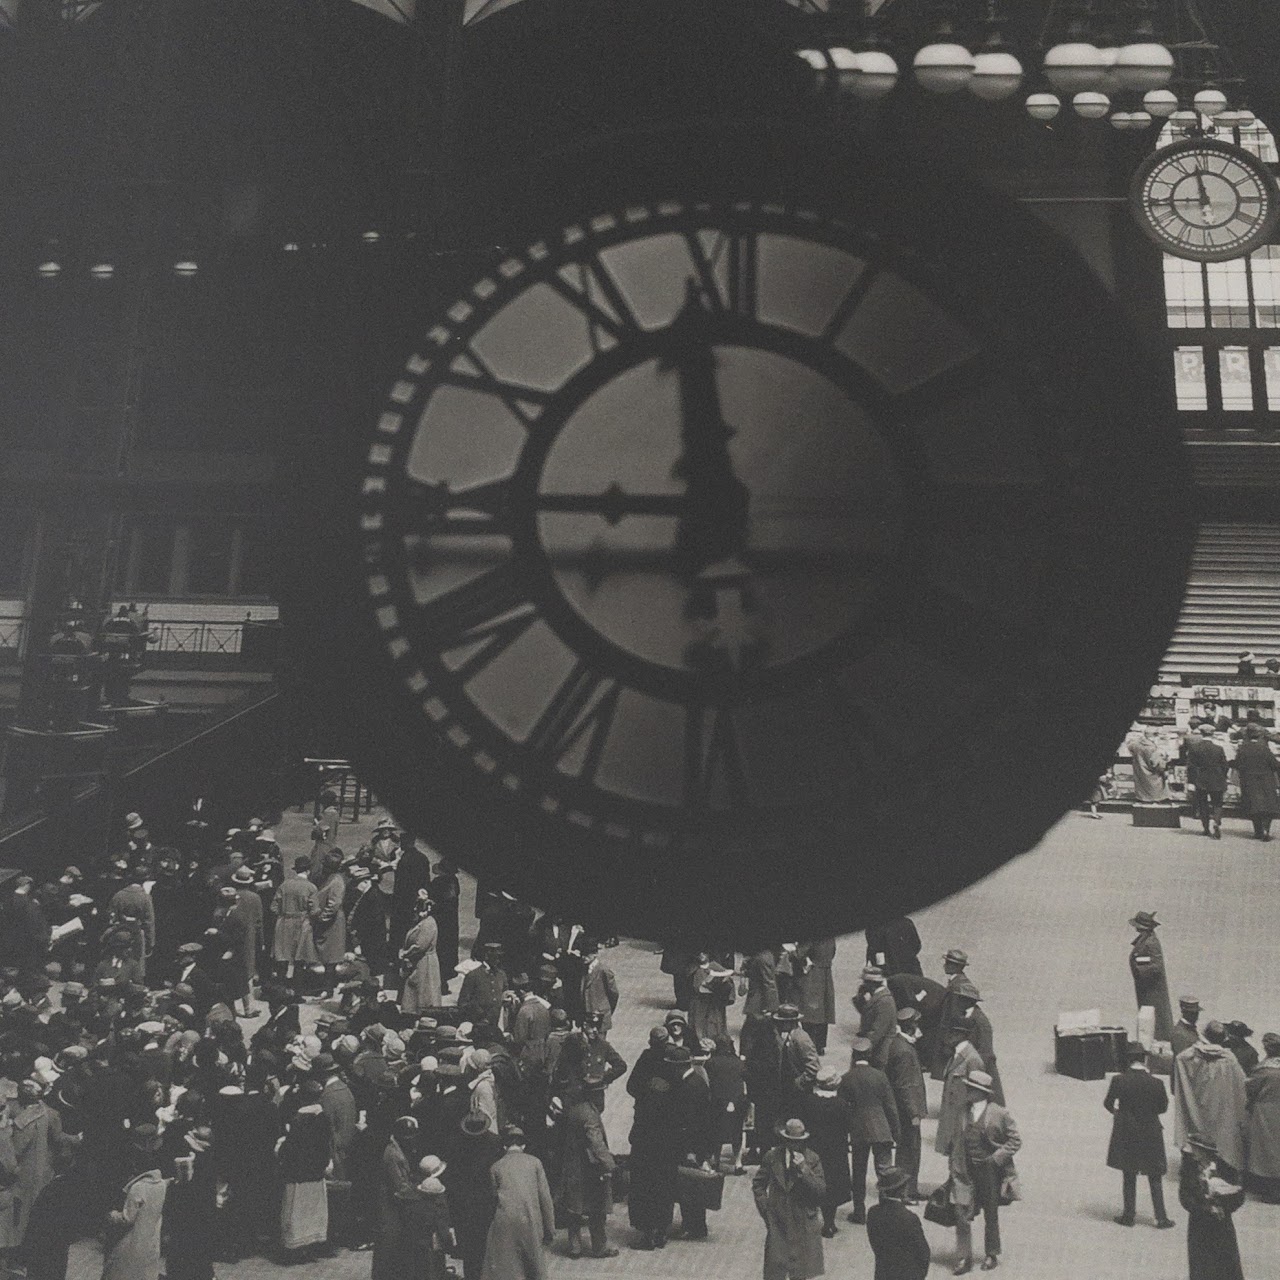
1010,1187
699,1188
938,1208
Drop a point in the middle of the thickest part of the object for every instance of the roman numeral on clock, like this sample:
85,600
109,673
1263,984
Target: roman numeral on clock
489,614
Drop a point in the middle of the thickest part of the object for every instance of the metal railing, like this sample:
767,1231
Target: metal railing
177,636
12,633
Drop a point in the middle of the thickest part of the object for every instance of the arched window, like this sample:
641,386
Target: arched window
1228,369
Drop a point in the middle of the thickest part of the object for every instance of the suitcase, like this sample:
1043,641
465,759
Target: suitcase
1157,815
1082,1055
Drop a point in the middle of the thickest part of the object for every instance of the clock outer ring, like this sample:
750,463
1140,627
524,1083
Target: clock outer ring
752,883
1260,235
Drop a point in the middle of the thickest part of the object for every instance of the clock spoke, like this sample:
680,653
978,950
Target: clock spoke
579,716
485,610
852,299
743,269
715,773
471,373
615,317
437,510
614,503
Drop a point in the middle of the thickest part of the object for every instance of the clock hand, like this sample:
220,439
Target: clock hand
1206,205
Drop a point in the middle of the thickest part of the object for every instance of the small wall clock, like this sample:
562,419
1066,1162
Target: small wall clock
1205,200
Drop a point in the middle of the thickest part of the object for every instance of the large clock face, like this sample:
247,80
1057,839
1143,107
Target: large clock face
722,553
1205,200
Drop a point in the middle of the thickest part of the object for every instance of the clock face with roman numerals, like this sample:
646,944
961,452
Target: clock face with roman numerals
1205,200
716,538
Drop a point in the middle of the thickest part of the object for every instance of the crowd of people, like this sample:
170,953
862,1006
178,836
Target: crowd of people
445,1111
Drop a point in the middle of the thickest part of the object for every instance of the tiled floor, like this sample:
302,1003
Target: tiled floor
1046,934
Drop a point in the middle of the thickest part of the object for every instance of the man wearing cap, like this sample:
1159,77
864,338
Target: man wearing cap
599,986
1146,964
875,1128
1207,777
1209,1096
829,1120
895,1233
1185,1032
894,946
524,1218
789,1188
980,1163
1262,1090
480,997
906,1079
1136,1101
877,1012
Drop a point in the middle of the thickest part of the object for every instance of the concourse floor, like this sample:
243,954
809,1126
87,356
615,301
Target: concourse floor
1047,933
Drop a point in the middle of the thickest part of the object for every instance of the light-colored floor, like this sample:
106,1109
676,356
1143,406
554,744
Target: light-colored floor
1047,933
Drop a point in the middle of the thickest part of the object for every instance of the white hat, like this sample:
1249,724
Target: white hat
133,821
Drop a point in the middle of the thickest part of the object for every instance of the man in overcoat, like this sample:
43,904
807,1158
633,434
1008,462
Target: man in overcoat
480,997
816,989
895,1233
894,946
955,1097
294,907
874,1129
950,1030
761,973
978,1032
798,1059
329,923
906,1078
1185,1032
658,1144
1136,1101
1146,964
829,1119
925,996
599,986
1207,776
788,1189
877,1011
585,1176
1259,773
1210,1097
981,1158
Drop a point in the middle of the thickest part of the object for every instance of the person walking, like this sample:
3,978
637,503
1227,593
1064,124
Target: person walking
1262,1093
895,1233
874,1127
726,1080
903,1070
1207,776
816,990
829,1119
524,1219
1210,1196
980,1162
789,1188
798,1060
1210,1098
1136,1101
1146,964
1259,773
422,988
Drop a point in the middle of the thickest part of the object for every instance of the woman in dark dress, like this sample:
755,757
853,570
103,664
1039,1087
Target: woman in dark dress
728,1097
191,1203
306,1152
1210,1200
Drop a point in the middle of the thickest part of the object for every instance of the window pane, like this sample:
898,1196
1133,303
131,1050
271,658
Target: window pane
1256,137
1237,390
1228,294
1183,293
209,567
1271,365
15,530
1188,378
257,557
1265,268
152,557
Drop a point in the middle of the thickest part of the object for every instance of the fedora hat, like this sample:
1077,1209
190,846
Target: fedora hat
431,1166
1134,1051
827,1078
792,1131
786,1013
980,1081
1145,920
1240,1029
872,971
893,1181
908,1017
956,956
133,821
242,875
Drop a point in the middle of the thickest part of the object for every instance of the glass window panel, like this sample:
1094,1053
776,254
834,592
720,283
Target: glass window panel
1237,389
1183,293
1228,294
1271,366
258,555
1256,137
152,556
1264,265
1188,378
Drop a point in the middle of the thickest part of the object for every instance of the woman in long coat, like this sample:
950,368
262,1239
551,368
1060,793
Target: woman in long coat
1150,765
524,1219
305,1154
422,987
1210,1200
709,994
657,1147
1263,1144
1259,774
293,906
329,922
789,1188
132,1249
392,1242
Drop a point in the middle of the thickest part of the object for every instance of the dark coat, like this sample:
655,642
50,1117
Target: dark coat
1212,1251
925,995
875,1113
906,1079
1136,1101
830,1122
1150,983
1259,773
879,1022
471,1198
788,1200
445,892
817,990
657,1146
897,1239
191,1217
308,1145
480,997
894,947
371,923
1206,764
585,1186
761,971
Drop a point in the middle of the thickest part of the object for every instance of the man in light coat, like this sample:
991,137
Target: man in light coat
599,986
981,1159
329,923
1210,1098
294,907
524,1219
965,1059
789,1188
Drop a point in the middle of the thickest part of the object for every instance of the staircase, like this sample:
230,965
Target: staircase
1232,601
